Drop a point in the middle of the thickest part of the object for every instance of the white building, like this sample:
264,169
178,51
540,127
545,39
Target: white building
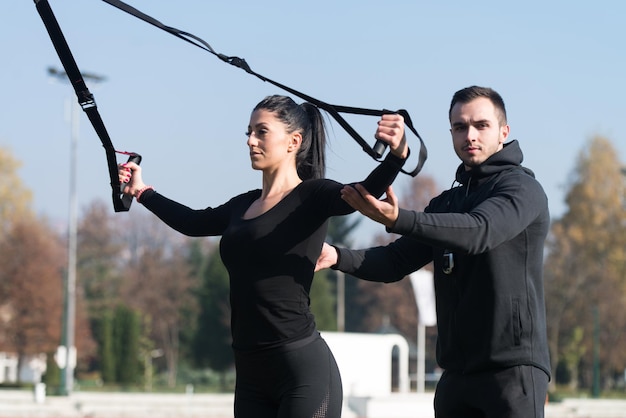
32,369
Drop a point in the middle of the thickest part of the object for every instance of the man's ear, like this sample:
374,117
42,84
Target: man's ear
504,133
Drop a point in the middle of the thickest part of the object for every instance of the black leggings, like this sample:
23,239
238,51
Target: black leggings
301,381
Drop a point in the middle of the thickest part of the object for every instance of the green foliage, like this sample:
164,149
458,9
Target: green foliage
52,377
197,262
324,290
119,347
340,228
571,355
204,380
323,302
126,336
212,342
107,352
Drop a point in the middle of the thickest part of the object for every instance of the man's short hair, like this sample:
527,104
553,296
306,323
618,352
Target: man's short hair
468,94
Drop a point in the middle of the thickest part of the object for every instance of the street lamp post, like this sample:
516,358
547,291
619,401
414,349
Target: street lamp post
69,312
341,301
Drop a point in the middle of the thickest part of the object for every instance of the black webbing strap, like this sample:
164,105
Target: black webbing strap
86,101
333,110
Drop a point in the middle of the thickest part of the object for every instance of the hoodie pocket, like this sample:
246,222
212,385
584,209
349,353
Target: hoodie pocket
516,321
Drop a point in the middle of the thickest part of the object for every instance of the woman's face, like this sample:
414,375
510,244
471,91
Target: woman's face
269,142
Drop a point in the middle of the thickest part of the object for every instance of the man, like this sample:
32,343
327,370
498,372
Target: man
485,238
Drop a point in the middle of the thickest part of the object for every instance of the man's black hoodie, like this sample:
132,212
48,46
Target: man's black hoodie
490,305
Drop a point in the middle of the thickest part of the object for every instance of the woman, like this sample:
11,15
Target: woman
271,239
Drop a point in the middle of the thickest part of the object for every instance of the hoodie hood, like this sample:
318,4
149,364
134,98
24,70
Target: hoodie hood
508,157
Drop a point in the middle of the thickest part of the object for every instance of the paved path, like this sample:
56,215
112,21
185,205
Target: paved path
22,404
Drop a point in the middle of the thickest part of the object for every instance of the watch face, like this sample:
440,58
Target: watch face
448,262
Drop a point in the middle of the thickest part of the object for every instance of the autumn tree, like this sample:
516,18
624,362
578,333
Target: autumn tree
100,259
396,301
158,284
101,252
32,272
585,268
380,307
31,297
15,198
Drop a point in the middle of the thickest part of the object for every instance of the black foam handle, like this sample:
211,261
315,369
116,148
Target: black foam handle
379,148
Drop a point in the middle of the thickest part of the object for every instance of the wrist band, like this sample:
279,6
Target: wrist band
140,192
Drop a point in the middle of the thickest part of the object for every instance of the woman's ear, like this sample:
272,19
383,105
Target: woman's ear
295,141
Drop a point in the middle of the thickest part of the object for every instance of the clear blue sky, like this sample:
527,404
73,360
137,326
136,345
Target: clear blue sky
559,65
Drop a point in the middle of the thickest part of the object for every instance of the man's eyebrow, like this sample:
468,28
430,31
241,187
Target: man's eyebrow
474,122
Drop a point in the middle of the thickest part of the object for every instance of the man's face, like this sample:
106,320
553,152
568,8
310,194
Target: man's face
476,131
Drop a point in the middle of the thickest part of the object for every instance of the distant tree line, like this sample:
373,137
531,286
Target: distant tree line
151,301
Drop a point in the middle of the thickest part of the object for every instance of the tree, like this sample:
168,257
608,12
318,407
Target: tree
126,331
52,376
380,306
213,339
101,253
325,297
586,265
15,198
32,270
197,263
31,261
120,351
159,286
396,301
341,227
323,301
106,346
100,258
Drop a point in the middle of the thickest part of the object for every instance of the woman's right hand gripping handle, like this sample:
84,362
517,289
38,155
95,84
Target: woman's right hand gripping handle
129,175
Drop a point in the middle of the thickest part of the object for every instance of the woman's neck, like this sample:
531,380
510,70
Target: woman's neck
279,184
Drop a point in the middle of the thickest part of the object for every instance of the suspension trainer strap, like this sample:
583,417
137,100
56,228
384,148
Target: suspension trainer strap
333,110
87,103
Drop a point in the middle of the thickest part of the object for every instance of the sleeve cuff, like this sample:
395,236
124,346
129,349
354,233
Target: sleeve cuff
336,265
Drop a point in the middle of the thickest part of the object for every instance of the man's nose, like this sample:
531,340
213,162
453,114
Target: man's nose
472,134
